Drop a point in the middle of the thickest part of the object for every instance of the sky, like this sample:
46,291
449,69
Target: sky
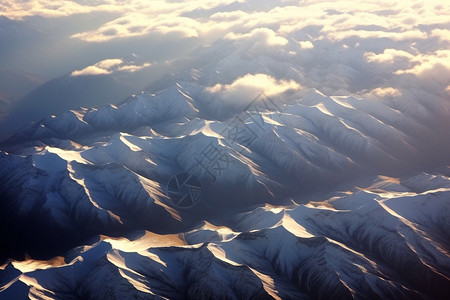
398,42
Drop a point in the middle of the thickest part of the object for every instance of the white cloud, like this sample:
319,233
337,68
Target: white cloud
350,47
337,20
388,55
109,63
54,8
306,44
364,34
139,24
385,92
133,68
442,34
91,70
265,36
108,66
248,87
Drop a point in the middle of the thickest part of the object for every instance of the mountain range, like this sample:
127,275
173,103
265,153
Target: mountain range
236,178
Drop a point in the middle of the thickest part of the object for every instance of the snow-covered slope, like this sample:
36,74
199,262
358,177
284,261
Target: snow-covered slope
381,240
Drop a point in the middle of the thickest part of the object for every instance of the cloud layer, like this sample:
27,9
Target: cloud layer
336,19
374,47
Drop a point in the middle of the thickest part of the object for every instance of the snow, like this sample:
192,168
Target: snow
277,244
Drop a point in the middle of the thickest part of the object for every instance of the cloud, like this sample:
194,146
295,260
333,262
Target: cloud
336,20
139,24
264,37
379,34
441,34
248,87
108,66
431,69
385,92
306,44
133,68
356,48
109,63
54,8
388,55
91,70
435,66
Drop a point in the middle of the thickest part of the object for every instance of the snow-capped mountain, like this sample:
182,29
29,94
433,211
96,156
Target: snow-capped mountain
103,172
379,240
237,179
